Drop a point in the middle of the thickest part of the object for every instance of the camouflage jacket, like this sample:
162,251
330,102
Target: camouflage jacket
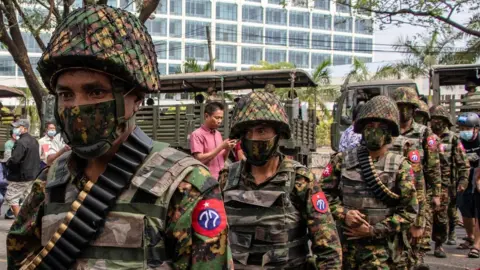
404,213
132,227
322,230
454,161
430,154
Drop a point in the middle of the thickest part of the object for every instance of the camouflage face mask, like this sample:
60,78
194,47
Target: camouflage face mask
438,126
376,137
258,152
89,129
406,113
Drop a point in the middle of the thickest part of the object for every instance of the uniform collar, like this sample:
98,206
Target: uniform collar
204,127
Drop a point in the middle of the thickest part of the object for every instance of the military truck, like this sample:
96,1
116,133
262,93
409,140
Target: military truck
354,93
174,123
456,75
7,116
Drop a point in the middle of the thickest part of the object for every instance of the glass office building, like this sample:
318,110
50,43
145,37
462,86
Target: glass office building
245,32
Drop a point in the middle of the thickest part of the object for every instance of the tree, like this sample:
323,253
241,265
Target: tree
264,65
358,73
191,65
36,16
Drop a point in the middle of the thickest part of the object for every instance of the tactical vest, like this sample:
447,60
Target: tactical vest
133,236
265,228
415,137
446,158
355,193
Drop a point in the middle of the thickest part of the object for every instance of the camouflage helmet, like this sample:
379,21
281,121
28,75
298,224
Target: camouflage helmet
439,111
256,108
406,95
104,39
423,109
270,88
381,109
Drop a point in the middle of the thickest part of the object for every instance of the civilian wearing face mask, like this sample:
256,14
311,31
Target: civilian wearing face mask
469,201
51,145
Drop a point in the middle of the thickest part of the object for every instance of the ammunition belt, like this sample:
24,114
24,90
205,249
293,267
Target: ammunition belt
372,180
89,210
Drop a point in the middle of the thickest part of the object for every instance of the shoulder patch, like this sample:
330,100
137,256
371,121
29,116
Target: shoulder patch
432,142
209,218
442,148
319,202
414,156
460,146
328,170
304,172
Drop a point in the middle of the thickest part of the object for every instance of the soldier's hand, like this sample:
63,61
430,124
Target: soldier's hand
359,232
436,203
416,233
354,218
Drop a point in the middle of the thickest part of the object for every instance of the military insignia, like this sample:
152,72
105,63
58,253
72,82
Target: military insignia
320,202
328,170
442,147
209,217
414,156
412,174
432,142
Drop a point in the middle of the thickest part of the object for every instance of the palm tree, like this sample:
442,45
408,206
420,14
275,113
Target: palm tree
191,65
358,73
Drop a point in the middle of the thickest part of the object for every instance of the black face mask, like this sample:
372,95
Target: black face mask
420,119
258,152
438,126
406,113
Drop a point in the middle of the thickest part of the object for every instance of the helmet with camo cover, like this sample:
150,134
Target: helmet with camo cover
423,109
104,39
379,109
256,108
406,95
441,112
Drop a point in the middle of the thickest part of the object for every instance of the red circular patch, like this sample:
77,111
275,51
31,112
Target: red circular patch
432,142
328,170
319,202
414,156
209,217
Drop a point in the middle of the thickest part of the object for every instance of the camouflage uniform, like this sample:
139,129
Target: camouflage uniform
270,224
167,199
346,190
454,168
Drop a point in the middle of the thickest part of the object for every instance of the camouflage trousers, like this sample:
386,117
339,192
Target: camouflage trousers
422,245
440,219
452,214
369,254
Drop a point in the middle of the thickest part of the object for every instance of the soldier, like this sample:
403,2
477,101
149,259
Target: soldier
371,192
272,201
423,139
118,199
455,169
422,114
270,88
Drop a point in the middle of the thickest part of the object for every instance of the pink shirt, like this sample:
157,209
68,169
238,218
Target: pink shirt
204,140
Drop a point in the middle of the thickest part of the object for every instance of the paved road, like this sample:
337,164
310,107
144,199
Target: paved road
457,259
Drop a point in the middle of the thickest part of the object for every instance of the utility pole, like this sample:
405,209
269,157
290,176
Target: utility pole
209,40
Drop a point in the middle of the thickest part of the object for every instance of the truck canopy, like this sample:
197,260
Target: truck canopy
8,92
450,75
235,80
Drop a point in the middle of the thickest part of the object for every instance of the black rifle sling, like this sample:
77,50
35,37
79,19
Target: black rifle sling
373,182
88,212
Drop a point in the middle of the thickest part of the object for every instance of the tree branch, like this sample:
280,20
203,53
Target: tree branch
149,7
56,13
33,31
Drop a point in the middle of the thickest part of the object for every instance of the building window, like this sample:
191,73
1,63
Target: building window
112,3
157,27
226,11
252,34
363,45
198,8
226,54
162,68
276,16
161,49
251,55
197,51
322,4
276,37
299,39
175,7
319,58
126,5
162,7
343,6
196,30
252,14
341,60
175,28
222,68
256,1
226,32
174,69
299,59
276,2
275,56
321,21
33,63
175,50
321,41
364,26
300,19
31,43
364,59
7,66
343,24
342,43
299,3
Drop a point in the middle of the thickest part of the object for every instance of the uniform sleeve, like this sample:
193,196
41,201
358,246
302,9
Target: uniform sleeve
195,245
462,166
432,172
24,237
407,209
321,227
330,185
420,187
